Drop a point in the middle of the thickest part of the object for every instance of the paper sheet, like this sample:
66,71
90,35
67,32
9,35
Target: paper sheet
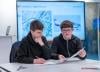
61,61
91,64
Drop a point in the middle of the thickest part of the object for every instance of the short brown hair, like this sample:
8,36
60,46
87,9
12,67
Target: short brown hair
36,25
66,24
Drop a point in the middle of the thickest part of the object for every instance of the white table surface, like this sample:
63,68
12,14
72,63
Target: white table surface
70,66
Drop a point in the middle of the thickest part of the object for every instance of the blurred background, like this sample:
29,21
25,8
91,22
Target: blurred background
8,27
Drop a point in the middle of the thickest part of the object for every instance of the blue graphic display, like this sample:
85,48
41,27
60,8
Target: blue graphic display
51,14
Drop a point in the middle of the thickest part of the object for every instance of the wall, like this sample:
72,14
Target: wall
8,17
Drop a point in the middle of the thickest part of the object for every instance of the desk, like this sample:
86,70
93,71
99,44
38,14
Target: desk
66,67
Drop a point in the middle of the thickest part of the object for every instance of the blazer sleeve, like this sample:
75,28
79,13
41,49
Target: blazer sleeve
54,54
22,54
46,50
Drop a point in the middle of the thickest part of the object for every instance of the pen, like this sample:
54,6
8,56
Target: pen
37,57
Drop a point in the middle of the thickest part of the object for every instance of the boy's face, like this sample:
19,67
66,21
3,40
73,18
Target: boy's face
67,33
36,33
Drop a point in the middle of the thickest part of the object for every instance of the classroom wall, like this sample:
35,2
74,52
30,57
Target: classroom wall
8,17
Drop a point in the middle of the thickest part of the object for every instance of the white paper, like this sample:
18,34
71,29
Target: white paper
52,62
76,53
49,62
